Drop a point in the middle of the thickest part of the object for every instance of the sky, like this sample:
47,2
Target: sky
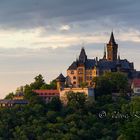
45,36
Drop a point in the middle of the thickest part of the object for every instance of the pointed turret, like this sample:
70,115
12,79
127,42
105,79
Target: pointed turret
112,39
104,57
96,61
112,49
118,64
119,57
82,56
60,78
60,82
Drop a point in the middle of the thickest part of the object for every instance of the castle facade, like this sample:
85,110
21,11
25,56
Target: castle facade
83,70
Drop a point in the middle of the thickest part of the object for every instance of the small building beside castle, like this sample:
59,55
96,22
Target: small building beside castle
135,86
46,94
18,99
63,90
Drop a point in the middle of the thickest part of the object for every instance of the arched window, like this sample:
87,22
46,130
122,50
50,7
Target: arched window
74,83
74,77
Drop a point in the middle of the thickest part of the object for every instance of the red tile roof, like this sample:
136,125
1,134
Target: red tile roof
136,82
51,91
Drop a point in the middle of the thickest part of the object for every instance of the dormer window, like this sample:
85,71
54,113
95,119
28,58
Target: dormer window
72,72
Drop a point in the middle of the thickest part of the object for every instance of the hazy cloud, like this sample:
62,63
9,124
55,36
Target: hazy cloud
34,13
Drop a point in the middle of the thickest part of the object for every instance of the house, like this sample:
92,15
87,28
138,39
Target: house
47,95
88,92
63,90
135,86
18,96
10,103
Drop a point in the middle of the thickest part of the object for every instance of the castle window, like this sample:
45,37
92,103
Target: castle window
90,77
138,90
74,83
89,72
87,78
72,72
74,77
80,71
80,79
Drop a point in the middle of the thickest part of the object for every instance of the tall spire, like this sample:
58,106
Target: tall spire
112,39
104,57
82,56
112,49
119,57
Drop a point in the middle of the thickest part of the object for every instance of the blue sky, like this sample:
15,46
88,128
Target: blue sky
38,36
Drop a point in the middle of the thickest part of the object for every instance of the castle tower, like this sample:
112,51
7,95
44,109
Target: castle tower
112,49
60,82
82,56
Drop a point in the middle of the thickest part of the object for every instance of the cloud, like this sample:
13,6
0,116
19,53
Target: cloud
65,28
34,13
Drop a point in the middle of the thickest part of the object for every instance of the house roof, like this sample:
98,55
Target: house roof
136,82
82,56
39,91
73,66
6,101
19,94
61,77
103,64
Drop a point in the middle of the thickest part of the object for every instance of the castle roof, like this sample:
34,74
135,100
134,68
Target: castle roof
61,77
136,82
7,101
47,92
19,94
103,64
82,56
112,39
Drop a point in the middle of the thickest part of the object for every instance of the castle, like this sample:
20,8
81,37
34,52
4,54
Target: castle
83,70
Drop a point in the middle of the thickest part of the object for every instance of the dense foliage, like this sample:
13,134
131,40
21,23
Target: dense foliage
80,119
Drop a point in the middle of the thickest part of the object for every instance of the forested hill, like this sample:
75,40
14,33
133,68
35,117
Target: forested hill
80,119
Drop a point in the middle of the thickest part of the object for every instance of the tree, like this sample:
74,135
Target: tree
33,98
10,96
20,89
79,119
76,100
102,86
83,84
55,104
38,83
135,104
52,85
111,82
131,128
